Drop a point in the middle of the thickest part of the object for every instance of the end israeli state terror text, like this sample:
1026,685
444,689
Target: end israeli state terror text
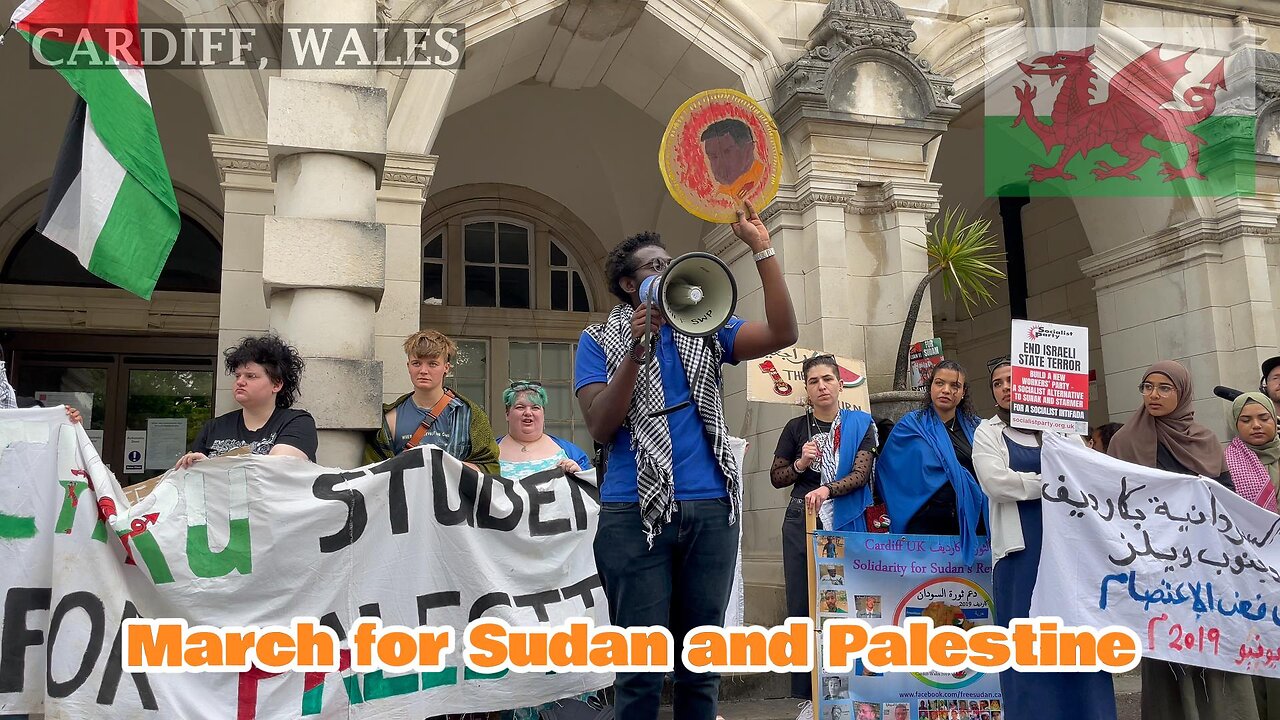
1049,357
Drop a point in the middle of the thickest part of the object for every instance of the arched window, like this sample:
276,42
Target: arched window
513,277
194,264
567,289
504,265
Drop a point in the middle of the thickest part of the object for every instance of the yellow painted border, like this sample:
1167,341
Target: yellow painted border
774,151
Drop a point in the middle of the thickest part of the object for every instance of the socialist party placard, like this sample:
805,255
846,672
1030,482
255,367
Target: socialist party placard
1050,377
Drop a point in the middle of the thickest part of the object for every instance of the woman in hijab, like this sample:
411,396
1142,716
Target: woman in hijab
926,467
1163,433
1007,463
1253,457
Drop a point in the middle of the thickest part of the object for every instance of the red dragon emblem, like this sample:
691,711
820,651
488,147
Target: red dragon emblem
1135,109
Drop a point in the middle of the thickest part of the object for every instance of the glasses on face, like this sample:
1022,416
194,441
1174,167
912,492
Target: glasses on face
1161,390
659,265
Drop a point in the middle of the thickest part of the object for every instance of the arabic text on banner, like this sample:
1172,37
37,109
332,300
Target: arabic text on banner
1050,377
1188,565
883,580
256,541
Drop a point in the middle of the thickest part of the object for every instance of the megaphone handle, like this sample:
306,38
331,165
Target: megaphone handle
647,341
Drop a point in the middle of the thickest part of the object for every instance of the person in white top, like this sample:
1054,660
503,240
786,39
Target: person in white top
1006,461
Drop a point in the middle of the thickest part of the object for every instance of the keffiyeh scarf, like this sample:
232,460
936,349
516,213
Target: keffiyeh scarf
651,436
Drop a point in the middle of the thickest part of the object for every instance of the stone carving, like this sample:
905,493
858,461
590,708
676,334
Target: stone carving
855,31
853,204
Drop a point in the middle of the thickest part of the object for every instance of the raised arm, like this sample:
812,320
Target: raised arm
757,339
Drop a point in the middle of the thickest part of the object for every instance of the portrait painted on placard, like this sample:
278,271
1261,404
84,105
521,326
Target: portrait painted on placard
721,148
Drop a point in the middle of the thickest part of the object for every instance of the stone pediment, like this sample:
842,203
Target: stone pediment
859,61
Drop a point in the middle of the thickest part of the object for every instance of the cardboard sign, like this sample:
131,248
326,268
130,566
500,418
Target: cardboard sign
923,357
1050,377
719,149
777,378
884,581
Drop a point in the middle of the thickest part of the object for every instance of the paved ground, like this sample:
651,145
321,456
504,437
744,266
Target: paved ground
1128,694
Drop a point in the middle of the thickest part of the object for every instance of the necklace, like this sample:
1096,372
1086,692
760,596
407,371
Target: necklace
524,448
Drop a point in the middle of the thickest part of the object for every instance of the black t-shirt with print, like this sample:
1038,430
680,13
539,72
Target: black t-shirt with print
286,426
801,430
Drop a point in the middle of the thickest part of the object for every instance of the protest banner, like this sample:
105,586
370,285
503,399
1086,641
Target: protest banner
256,541
1050,377
1184,562
777,378
883,580
921,359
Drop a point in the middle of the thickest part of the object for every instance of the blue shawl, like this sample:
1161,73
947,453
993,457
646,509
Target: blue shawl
916,460
847,515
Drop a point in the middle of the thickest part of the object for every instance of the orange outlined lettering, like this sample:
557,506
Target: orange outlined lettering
578,646
750,649
159,645
1029,645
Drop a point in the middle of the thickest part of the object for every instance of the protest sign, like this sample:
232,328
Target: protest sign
1050,377
777,378
883,580
921,359
1184,562
257,541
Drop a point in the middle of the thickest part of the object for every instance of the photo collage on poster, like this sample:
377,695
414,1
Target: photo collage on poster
882,580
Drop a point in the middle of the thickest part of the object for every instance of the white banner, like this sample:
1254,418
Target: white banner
1185,563
256,541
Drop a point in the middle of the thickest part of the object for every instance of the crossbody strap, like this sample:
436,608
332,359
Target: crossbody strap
432,415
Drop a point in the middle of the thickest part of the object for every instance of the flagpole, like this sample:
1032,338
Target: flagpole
6,32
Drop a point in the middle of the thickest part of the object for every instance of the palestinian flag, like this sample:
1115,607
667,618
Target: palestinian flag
111,202
1141,112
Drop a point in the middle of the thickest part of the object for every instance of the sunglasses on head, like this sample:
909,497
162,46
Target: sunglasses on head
519,385
996,363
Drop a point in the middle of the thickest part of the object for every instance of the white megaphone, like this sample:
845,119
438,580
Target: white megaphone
696,294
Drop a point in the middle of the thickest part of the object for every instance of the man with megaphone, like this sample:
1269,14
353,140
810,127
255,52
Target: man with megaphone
648,381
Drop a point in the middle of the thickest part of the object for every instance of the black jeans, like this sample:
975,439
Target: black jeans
795,575
683,582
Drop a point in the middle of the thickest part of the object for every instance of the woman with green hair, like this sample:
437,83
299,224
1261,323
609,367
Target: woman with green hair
527,448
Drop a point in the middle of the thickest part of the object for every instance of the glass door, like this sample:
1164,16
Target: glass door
165,407
141,410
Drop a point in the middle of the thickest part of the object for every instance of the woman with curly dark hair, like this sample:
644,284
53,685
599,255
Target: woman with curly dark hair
926,467
267,373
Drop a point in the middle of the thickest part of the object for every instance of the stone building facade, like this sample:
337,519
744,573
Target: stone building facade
347,209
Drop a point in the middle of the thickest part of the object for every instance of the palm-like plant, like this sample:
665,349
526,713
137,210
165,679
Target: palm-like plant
963,253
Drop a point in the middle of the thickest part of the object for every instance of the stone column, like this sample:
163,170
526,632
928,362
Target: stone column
248,196
323,249
404,189
857,113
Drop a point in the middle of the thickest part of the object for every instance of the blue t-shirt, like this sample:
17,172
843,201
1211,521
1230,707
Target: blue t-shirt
697,474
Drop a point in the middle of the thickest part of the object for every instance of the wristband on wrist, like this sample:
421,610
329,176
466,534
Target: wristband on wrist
795,469
765,253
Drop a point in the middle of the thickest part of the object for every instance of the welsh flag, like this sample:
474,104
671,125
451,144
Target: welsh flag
1119,112
111,202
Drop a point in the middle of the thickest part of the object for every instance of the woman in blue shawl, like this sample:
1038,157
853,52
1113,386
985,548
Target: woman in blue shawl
925,469
824,455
